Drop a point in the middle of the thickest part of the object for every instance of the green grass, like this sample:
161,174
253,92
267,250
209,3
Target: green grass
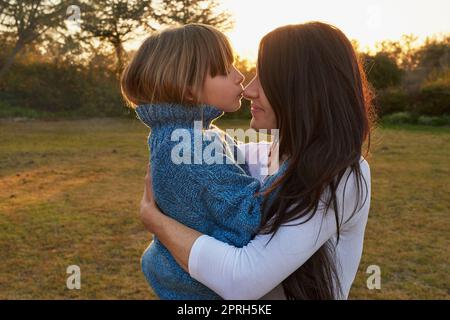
70,191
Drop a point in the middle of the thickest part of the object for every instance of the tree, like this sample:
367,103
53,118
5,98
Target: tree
246,67
114,21
118,21
403,52
391,49
382,71
409,50
25,21
192,11
434,55
3,4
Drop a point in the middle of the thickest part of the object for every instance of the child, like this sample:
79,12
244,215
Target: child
176,79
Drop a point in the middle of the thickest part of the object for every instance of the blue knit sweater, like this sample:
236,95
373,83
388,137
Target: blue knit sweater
215,199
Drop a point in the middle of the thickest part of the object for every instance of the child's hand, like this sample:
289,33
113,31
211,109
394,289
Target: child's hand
149,210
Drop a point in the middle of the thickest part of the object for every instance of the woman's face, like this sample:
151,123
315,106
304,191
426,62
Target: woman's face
263,116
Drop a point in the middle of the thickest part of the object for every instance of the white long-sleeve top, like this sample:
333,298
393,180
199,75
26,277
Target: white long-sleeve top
257,270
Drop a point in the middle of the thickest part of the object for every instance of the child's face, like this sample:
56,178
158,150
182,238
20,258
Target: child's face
224,92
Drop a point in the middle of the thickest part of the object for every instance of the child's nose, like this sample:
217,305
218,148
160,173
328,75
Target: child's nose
240,77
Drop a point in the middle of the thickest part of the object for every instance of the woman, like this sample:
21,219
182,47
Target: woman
309,85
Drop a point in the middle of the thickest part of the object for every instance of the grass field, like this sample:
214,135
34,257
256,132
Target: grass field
70,190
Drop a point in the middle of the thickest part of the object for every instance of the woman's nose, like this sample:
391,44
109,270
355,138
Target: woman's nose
251,91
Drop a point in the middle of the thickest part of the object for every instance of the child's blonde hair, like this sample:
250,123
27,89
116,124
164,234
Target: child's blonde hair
171,66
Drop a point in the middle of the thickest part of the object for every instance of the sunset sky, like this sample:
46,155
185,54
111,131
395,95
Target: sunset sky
365,21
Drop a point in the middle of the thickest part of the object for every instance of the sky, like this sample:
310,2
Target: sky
366,21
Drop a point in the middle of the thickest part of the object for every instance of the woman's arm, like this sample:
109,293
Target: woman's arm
236,273
254,270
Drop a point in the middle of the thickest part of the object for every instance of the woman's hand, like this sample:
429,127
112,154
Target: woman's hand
149,211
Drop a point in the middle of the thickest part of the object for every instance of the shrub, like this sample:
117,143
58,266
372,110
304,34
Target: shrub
434,121
8,111
391,100
64,90
382,71
433,100
400,118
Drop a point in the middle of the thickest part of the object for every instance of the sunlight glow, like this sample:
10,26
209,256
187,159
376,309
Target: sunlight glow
365,21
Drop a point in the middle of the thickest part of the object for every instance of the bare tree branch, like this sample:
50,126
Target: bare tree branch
27,20
114,21
192,11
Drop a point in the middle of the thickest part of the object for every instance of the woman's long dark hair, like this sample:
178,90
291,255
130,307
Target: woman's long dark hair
315,83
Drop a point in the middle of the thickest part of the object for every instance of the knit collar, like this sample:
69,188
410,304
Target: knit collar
172,113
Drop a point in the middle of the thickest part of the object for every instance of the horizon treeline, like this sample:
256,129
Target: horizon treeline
64,59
